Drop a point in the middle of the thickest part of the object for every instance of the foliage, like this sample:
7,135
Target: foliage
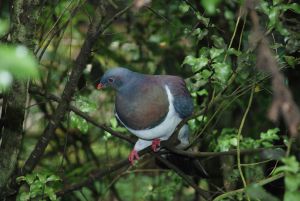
209,43
40,186
15,62
227,140
291,170
257,192
85,105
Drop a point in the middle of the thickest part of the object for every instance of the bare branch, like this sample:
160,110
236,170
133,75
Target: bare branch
36,90
68,92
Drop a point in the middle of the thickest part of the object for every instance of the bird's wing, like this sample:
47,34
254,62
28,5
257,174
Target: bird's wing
183,102
143,105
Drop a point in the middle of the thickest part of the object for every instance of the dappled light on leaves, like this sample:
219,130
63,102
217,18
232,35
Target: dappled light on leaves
60,138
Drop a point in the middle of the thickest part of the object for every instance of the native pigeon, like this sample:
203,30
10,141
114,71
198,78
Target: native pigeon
149,106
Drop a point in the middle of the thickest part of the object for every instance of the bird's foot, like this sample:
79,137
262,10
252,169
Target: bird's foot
133,156
155,144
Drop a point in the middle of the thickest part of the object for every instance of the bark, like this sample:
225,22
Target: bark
69,90
23,20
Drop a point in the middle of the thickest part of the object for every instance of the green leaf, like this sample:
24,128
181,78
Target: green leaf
202,92
196,63
214,52
205,74
42,177
210,6
21,178
222,71
290,60
218,42
113,122
50,193
106,135
79,123
232,51
30,178
275,2
291,195
257,192
273,16
85,104
200,62
190,60
19,61
292,182
4,26
264,6
229,15
204,52
184,7
270,135
200,33
233,141
291,165
24,196
36,188
53,178
202,118
203,19
293,6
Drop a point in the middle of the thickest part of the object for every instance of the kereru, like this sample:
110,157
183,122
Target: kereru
149,106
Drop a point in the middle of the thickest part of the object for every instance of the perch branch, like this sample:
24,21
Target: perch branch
36,90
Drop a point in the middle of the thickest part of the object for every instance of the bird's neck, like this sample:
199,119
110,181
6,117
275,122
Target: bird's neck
131,81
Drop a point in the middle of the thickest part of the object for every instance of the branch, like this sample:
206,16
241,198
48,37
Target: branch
23,24
239,136
232,152
283,103
114,18
99,174
202,192
261,183
92,35
167,144
38,91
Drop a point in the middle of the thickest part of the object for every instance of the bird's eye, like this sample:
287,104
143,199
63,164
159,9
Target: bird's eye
110,79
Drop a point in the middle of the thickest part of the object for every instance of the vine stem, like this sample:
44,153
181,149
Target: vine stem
239,134
233,35
261,183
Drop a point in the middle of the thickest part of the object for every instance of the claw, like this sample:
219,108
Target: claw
155,144
133,156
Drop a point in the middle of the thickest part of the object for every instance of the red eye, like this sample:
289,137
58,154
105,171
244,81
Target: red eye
110,80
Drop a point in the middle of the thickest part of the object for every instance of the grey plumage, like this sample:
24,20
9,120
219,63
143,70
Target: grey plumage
150,106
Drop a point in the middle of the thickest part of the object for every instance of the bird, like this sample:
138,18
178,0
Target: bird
149,106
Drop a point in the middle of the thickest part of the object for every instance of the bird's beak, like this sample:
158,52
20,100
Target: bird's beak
100,86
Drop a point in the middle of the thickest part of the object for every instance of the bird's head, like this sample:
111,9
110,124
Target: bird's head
115,78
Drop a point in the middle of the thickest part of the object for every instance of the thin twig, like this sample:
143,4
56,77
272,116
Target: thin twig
233,152
68,92
98,175
241,190
205,194
239,137
36,90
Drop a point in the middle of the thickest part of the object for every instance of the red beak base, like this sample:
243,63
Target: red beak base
100,86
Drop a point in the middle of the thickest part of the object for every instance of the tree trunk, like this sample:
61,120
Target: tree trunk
23,20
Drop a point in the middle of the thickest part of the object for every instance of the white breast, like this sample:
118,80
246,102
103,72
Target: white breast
165,129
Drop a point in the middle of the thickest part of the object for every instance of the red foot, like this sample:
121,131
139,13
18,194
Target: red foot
133,156
155,144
